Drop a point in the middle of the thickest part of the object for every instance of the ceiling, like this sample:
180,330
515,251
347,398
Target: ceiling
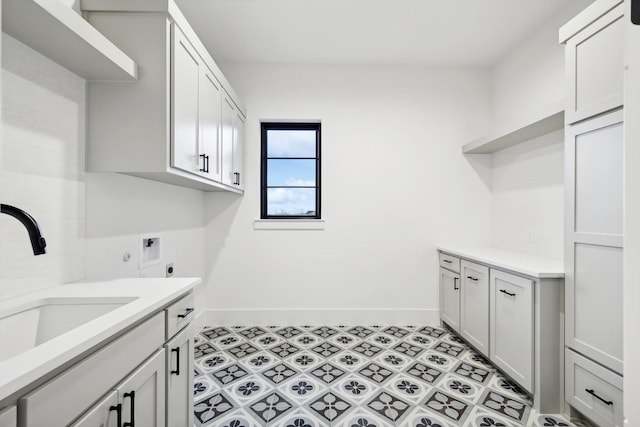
472,33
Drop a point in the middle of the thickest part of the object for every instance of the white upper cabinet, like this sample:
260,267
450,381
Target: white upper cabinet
595,67
173,123
232,146
185,102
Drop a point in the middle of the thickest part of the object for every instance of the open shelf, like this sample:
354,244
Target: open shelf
547,122
61,34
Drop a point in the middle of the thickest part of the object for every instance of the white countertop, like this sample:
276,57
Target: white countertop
518,262
150,295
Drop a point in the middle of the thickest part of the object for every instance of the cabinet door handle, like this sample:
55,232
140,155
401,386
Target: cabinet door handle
177,351
475,279
118,409
132,409
448,261
237,175
455,280
508,293
207,161
186,313
593,393
204,163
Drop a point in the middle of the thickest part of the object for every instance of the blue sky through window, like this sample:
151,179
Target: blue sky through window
291,172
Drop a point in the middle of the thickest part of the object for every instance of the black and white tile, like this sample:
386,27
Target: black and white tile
352,376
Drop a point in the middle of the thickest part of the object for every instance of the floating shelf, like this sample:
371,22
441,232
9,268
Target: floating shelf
61,34
547,122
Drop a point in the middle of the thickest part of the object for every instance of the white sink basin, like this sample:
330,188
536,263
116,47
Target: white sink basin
29,325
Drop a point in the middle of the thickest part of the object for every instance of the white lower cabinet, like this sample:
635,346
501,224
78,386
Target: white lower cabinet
144,378
511,326
513,319
595,391
450,298
9,416
143,394
474,305
139,400
106,413
179,374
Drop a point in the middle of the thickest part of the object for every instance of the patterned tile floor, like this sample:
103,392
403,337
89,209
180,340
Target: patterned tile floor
345,376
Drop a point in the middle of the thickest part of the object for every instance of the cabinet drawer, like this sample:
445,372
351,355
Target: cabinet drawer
449,262
73,391
593,390
179,315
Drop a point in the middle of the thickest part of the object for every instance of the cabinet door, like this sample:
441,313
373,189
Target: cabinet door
228,116
105,413
210,116
238,148
450,298
180,379
143,393
185,77
9,417
594,239
511,326
474,305
595,67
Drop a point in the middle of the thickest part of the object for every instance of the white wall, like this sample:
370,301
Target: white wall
394,186
527,197
121,209
528,180
530,79
89,220
43,131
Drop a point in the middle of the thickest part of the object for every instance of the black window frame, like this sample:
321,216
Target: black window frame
306,126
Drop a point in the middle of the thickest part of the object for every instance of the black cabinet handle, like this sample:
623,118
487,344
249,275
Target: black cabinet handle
186,313
508,293
177,351
204,163
237,175
448,261
132,409
118,409
455,280
475,279
207,160
593,393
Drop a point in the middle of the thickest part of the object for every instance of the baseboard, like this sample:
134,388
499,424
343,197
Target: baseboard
325,317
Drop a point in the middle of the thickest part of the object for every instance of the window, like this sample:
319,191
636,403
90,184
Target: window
290,170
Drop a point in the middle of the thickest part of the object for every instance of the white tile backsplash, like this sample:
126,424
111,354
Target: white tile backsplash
43,135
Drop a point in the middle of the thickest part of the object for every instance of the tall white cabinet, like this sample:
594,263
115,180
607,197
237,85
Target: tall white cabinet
181,122
594,159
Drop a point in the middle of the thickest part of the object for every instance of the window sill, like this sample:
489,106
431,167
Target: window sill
288,224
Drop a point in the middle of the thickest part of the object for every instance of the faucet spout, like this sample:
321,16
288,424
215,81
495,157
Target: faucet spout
37,241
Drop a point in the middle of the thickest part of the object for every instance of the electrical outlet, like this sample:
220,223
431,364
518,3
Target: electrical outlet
169,270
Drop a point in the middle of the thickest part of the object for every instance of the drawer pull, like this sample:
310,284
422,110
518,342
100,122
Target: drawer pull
177,370
475,279
455,280
118,409
186,313
204,163
448,261
593,393
508,293
132,410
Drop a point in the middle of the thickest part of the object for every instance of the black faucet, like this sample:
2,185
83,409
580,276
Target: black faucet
37,241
